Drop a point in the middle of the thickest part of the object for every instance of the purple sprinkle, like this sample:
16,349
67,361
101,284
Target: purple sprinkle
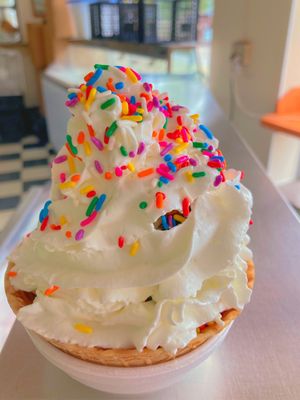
60,159
193,162
71,103
218,180
97,143
147,87
155,102
176,108
141,148
170,220
210,148
79,235
132,154
98,167
168,148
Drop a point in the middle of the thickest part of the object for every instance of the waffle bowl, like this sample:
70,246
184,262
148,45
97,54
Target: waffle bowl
126,357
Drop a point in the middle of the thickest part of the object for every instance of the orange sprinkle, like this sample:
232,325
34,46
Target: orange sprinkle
110,85
108,175
160,196
11,274
154,134
68,234
145,95
75,178
121,97
69,149
55,227
51,290
88,76
80,137
161,135
145,172
91,130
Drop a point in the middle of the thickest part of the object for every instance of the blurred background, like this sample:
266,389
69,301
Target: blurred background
245,51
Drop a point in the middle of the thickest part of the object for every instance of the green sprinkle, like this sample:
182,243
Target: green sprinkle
143,205
72,147
102,66
159,184
107,103
111,130
91,206
199,145
123,151
219,169
198,174
166,124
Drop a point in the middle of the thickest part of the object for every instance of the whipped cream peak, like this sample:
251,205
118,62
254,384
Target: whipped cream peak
145,228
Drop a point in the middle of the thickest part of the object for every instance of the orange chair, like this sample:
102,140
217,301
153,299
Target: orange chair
287,115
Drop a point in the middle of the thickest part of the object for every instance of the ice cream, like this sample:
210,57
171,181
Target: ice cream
144,237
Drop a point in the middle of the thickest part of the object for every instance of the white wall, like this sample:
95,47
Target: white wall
265,24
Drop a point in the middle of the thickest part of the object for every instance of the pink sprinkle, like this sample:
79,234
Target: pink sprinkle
122,69
89,219
141,148
132,154
193,162
62,177
170,220
165,174
210,148
98,167
118,171
207,153
176,108
162,144
146,87
136,74
97,143
79,235
71,103
184,135
218,180
181,159
164,167
150,106
168,148
60,159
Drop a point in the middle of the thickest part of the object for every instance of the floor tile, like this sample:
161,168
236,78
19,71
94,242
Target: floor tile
34,173
9,176
11,148
10,166
9,202
34,154
37,182
32,163
30,140
12,156
5,215
11,188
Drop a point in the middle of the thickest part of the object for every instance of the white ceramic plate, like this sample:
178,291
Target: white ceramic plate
121,380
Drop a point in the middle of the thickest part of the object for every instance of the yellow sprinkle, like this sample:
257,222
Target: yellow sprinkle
179,140
179,149
83,88
87,148
90,99
179,218
179,127
67,185
194,116
63,220
125,108
136,118
189,176
134,248
72,167
86,189
140,110
131,167
131,75
83,328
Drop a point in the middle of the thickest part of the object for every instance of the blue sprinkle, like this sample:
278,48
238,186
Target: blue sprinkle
217,158
167,157
206,131
47,204
172,166
72,96
100,202
237,186
132,100
119,85
174,223
95,77
43,214
164,180
164,222
101,89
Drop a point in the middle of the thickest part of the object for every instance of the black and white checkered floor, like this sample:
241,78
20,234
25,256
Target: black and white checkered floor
22,165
